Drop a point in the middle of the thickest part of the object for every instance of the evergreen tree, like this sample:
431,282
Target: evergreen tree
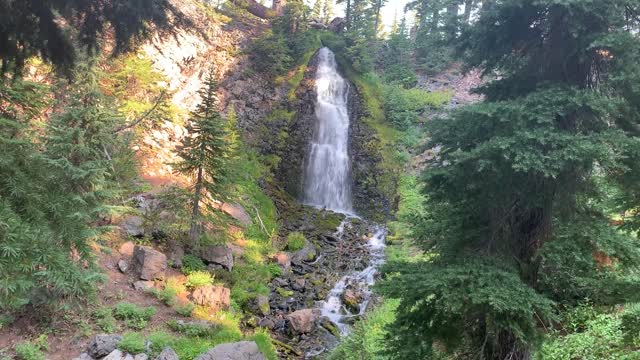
327,11
316,11
204,154
42,27
515,195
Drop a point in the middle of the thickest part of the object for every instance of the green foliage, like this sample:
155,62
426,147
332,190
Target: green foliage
191,263
444,300
630,323
32,350
134,316
296,241
185,309
366,341
403,107
105,320
198,279
270,54
195,329
53,183
263,340
132,342
170,291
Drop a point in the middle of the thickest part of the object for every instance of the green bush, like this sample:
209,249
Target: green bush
133,343
403,107
630,321
271,55
194,329
105,320
296,241
192,263
198,279
185,310
32,350
134,316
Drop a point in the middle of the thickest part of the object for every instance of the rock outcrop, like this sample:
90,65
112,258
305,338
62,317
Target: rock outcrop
102,345
214,297
149,264
218,255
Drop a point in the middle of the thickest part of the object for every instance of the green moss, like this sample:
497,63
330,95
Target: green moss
284,293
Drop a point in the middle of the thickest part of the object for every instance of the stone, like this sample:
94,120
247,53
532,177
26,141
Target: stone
237,212
102,345
115,355
176,253
149,264
219,254
308,253
141,357
302,321
168,354
283,259
267,323
126,249
123,266
298,284
133,226
214,297
262,305
352,299
242,350
84,356
142,285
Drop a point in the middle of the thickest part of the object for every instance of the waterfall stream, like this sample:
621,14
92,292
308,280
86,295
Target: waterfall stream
327,183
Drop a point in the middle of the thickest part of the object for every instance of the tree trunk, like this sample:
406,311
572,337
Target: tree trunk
256,8
348,14
468,6
194,231
435,21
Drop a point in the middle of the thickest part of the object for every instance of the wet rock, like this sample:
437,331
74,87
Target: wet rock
102,345
142,285
220,255
123,266
149,264
243,350
214,297
351,300
302,321
308,253
133,226
167,354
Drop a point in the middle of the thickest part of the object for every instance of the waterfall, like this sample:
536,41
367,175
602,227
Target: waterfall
327,179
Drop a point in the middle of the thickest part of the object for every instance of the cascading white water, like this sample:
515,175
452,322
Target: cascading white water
327,181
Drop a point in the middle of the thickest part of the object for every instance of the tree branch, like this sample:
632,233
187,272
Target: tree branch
159,100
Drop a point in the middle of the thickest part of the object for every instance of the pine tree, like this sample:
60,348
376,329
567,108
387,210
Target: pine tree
204,154
316,11
515,196
327,11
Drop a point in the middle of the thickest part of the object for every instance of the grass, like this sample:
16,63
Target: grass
135,317
33,350
199,279
104,320
133,343
296,241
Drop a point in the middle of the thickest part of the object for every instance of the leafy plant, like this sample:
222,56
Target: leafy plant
296,241
32,350
132,342
198,279
134,316
191,263
105,320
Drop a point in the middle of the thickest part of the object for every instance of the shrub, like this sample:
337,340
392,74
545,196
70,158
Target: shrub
105,320
172,288
133,343
185,309
197,329
630,321
199,279
134,316
32,350
296,241
192,263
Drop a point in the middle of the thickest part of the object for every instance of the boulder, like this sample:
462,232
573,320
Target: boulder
302,321
283,259
123,266
102,345
126,249
132,226
261,305
243,350
352,299
149,264
141,357
84,356
237,212
218,255
308,253
168,354
176,254
117,355
141,285
214,297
